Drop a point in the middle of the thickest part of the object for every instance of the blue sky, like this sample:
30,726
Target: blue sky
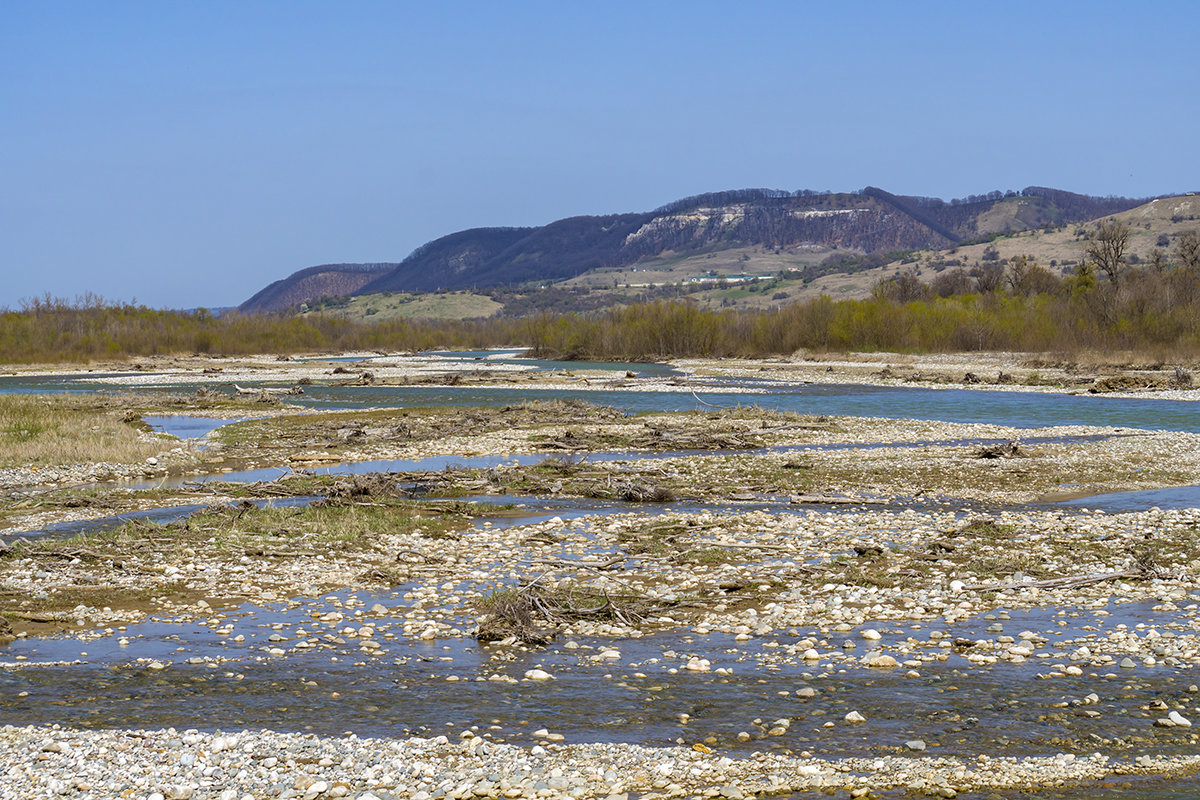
188,153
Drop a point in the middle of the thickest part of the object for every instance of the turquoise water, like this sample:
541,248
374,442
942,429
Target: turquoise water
1014,408
1017,409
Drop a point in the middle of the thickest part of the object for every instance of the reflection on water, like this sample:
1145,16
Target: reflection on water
184,426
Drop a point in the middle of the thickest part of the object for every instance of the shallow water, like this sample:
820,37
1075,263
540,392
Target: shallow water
955,708
156,515
185,426
1016,409
1143,500
1013,408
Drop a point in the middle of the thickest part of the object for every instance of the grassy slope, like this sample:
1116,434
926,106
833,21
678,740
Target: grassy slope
1147,222
386,306
671,268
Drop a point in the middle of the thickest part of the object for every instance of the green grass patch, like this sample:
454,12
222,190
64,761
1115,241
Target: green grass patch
389,306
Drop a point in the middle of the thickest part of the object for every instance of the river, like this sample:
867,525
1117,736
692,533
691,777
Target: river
443,686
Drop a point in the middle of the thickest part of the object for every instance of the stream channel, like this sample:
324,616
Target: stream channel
101,678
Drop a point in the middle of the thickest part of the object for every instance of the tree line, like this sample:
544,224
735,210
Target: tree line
52,330
1107,303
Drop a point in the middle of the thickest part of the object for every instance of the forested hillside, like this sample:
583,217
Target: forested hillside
869,222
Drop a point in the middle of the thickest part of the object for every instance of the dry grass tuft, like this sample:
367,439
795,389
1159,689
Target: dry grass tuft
39,430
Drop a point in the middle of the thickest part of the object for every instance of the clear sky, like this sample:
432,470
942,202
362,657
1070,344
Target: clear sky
188,153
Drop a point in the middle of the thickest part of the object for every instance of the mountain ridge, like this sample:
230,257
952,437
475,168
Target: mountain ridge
868,222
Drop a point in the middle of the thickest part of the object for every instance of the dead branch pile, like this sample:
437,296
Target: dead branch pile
653,438
357,487
1003,450
637,492
533,612
1126,383
264,394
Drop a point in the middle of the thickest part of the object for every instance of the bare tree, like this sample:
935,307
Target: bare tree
988,277
1187,251
903,288
1187,259
1018,270
951,282
1107,250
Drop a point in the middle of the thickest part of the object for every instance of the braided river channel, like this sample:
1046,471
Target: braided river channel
781,685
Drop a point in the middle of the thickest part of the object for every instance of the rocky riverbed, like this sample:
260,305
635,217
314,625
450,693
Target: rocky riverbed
806,604
1111,375
179,765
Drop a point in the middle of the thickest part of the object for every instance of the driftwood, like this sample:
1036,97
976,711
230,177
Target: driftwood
267,392
36,616
832,500
745,546
635,492
1066,582
533,612
1003,450
79,553
262,552
701,402
365,379
597,565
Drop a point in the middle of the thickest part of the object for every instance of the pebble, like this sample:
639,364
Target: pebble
880,660
365,768
429,615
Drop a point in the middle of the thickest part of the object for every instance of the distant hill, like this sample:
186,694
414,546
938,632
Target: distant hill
1155,225
749,221
327,280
